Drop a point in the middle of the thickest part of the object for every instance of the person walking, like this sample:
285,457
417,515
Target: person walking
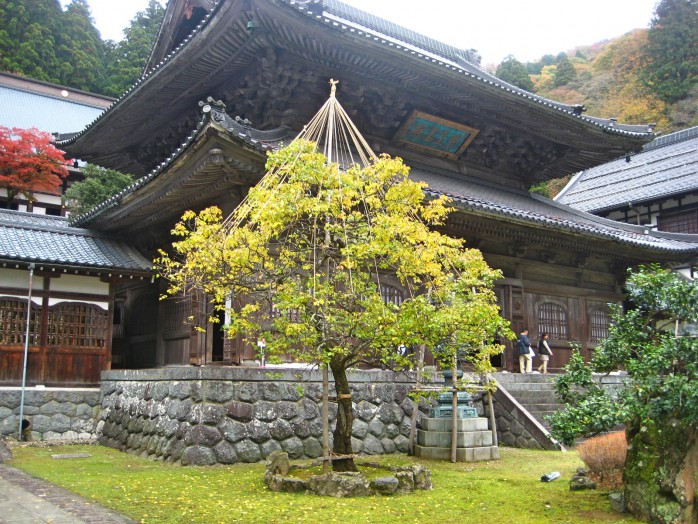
545,353
525,352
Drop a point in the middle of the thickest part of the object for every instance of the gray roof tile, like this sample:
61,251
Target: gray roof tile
26,237
26,110
533,209
666,167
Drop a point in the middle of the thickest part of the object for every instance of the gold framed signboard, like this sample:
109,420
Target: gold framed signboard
436,136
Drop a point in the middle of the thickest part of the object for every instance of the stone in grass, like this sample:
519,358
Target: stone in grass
286,484
385,485
346,484
278,463
581,481
617,499
71,456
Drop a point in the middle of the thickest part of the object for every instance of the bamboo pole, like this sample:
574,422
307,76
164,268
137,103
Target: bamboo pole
490,406
454,413
415,401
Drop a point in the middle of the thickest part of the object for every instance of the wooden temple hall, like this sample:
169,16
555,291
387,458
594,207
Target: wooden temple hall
229,80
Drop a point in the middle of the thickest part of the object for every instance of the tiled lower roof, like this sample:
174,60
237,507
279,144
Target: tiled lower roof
527,208
49,240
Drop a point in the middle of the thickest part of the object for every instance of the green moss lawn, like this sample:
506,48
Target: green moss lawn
506,491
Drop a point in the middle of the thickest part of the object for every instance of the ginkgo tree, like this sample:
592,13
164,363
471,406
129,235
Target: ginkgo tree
304,266
29,163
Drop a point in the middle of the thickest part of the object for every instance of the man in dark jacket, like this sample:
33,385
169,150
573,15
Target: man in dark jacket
525,356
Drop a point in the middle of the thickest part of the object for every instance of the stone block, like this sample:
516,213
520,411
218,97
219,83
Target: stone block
312,447
242,411
293,446
205,436
372,446
233,431
280,430
198,456
265,410
225,453
248,451
465,424
464,439
359,429
269,447
218,391
258,431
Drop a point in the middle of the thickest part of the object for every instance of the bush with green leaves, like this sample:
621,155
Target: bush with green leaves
98,184
659,403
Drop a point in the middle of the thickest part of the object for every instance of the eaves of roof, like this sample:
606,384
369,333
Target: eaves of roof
240,131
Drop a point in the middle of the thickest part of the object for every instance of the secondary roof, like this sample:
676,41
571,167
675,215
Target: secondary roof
666,167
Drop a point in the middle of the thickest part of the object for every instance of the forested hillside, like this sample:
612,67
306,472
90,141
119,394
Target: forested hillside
646,76
40,40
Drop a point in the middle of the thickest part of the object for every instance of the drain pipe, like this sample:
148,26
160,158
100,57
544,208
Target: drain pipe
26,353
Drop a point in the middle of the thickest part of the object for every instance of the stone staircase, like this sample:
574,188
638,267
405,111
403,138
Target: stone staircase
536,393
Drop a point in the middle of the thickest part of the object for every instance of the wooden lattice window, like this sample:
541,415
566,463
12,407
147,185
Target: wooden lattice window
178,313
77,325
13,322
552,319
686,222
392,295
598,325
292,314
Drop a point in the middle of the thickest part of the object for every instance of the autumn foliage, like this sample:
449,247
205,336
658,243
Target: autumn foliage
29,162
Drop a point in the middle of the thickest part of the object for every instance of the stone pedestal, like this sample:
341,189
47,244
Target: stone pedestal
474,440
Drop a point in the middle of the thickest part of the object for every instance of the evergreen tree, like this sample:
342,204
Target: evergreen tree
672,67
514,72
565,72
127,58
27,43
98,185
80,48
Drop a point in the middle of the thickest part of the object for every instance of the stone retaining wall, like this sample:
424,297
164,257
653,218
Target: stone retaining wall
54,413
225,415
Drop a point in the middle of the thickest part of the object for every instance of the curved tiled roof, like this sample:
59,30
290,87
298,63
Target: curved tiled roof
49,240
342,17
666,167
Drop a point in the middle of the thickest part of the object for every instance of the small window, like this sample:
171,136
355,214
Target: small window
686,222
77,325
13,322
598,325
392,295
552,319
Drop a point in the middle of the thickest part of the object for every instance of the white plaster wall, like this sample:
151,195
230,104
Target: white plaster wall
19,278
80,284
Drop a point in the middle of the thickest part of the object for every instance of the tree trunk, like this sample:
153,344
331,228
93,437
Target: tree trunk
345,416
660,475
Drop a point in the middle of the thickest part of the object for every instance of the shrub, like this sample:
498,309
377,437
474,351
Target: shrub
605,457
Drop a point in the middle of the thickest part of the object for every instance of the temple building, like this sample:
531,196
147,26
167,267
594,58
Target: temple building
229,80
